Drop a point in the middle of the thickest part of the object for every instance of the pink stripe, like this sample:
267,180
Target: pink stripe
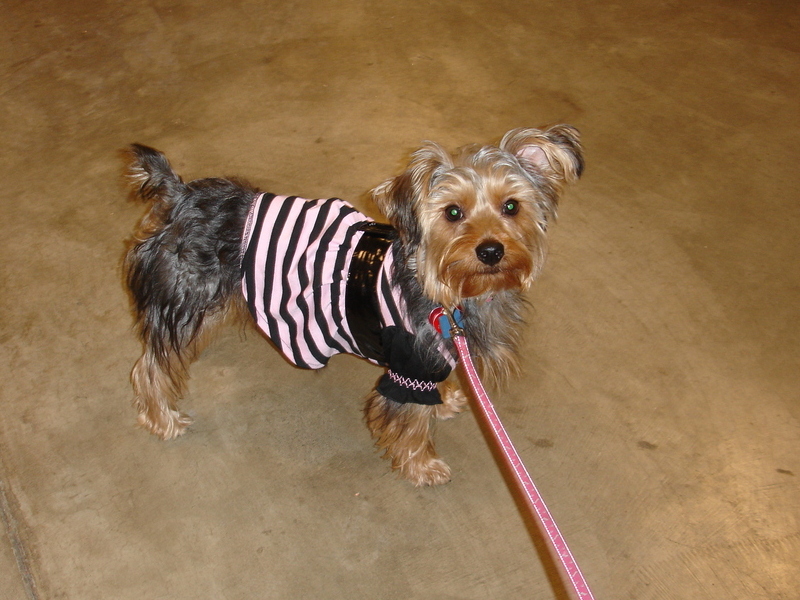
532,495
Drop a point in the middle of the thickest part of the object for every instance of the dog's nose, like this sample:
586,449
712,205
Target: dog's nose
490,253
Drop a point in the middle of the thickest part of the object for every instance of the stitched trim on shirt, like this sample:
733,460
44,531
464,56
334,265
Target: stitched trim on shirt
413,384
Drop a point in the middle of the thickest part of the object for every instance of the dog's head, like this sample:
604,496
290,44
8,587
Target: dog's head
475,221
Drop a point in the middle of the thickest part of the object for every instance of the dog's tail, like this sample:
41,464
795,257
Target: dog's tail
153,177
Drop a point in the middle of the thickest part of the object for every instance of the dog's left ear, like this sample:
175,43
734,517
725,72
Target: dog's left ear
555,153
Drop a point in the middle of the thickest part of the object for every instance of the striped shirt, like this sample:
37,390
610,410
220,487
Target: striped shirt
296,256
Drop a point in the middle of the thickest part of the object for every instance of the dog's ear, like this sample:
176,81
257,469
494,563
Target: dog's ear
555,153
399,198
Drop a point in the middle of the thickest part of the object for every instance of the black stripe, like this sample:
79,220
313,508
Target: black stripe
295,247
325,241
336,291
248,259
388,296
270,265
302,272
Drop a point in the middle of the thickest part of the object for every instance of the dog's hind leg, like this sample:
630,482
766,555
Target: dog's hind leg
157,385
159,380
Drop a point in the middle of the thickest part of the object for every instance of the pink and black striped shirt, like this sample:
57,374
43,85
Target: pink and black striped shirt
296,256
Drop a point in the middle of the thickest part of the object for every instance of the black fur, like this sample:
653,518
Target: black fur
184,263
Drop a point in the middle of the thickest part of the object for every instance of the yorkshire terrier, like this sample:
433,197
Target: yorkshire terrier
467,232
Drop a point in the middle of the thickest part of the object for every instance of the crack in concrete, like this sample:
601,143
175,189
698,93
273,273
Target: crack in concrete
21,553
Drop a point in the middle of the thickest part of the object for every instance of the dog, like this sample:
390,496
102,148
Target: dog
467,231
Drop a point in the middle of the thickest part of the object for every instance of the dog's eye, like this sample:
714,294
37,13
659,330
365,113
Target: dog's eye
510,207
453,213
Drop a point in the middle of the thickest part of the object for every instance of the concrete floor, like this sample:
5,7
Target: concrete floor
658,410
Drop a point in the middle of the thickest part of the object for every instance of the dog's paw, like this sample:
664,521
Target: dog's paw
433,471
168,425
454,401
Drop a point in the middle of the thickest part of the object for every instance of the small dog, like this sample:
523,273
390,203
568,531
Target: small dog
467,231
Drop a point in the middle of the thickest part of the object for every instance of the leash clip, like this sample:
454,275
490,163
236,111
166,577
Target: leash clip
447,323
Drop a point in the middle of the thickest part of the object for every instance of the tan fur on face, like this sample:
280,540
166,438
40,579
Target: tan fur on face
529,166
448,265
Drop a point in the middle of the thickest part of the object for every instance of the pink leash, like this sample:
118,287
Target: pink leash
523,479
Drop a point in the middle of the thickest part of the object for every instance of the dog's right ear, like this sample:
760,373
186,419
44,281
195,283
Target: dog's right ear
400,198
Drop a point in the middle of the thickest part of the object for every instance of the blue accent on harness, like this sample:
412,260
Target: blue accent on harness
438,318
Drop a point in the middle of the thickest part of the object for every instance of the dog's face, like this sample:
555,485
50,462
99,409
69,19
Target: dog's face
475,222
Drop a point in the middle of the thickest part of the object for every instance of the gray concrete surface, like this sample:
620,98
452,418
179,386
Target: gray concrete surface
658,408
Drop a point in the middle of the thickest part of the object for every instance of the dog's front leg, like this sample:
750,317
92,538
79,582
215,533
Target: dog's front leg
405,433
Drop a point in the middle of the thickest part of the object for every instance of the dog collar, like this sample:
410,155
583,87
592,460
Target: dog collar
446,322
